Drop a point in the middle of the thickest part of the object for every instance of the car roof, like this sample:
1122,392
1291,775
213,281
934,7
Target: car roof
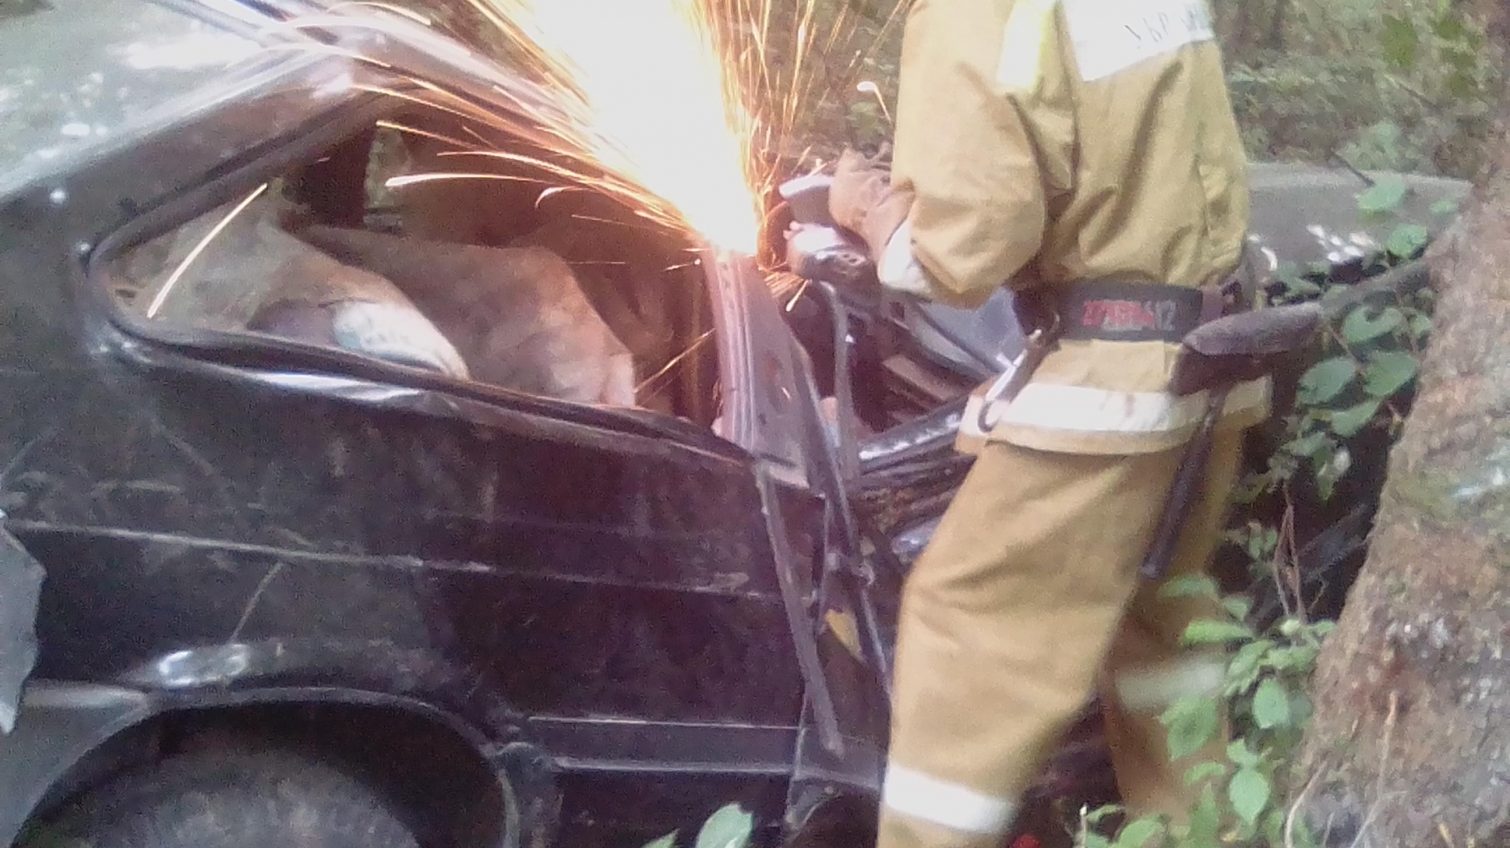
81,76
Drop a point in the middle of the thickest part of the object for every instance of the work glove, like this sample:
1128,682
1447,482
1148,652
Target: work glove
862,200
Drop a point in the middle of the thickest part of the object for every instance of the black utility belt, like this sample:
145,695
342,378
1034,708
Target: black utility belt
1132,312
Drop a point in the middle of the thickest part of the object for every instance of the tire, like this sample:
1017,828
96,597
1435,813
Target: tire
228,799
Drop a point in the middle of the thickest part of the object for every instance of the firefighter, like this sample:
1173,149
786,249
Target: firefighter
1085,153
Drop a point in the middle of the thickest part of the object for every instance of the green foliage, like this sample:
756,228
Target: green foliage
1382,197
1138,832
1263,694
1364,371
729,827
1249,793
1401,85
1326,379
1191,722
1212,632
1407,240
1271,705
1400,42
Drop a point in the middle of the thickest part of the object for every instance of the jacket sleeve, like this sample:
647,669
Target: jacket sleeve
984,138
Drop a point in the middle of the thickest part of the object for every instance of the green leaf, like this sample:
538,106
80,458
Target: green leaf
1326,379
1096,840
1298,658
1445,208
1407,240
1189,586
1308,445
1420,325
1249,794
667,841
1449,26
1293,279
1326,481
1348,422
1462,85
1237,752
1202,772
1383,197
1238,606
1359,327
1101,813
1138,831
1191,722
729,827
1389,372
1207,631
1244,666
1271,705
1300,287
1400,42
1205,821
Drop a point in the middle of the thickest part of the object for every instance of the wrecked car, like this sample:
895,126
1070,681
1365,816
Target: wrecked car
373,520
438,537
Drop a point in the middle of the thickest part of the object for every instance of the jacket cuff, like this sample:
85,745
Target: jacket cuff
898,268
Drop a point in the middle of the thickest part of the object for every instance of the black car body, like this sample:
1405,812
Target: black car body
542,616
231,523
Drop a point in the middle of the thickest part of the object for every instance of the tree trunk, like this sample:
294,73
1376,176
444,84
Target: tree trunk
1410,746
1275,40
1496,18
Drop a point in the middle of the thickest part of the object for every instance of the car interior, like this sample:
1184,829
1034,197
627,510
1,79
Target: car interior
413,243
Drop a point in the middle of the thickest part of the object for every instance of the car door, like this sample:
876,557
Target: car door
223,513
20,583
838,607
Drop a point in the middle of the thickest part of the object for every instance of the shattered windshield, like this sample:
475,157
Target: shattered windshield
78,73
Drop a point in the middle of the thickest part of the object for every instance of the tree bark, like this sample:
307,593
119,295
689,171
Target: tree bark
1410,745
1496,18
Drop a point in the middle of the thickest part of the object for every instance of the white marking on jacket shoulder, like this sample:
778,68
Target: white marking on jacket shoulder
1113,35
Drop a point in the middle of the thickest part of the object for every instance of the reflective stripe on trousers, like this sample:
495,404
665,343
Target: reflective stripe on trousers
952,805
1152,688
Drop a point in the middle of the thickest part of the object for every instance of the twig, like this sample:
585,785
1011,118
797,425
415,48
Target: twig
1343,160
1291,547
1389,733
1300,798
1410,336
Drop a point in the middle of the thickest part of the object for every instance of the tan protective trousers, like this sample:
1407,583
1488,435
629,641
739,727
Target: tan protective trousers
1028,597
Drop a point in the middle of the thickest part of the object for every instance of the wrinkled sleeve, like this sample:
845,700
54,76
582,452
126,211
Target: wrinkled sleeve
984,138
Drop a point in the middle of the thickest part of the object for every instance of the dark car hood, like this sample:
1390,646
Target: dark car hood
1298,209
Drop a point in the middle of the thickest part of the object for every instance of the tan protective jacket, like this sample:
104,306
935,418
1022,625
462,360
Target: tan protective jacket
1052,141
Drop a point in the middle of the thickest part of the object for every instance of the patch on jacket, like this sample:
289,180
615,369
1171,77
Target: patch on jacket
1112,35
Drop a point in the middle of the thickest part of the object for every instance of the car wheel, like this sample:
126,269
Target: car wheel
229,799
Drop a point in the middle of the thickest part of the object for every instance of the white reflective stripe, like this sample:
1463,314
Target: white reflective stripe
1028,30
1112,35
1158,686
956,807
899,269
1082,409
